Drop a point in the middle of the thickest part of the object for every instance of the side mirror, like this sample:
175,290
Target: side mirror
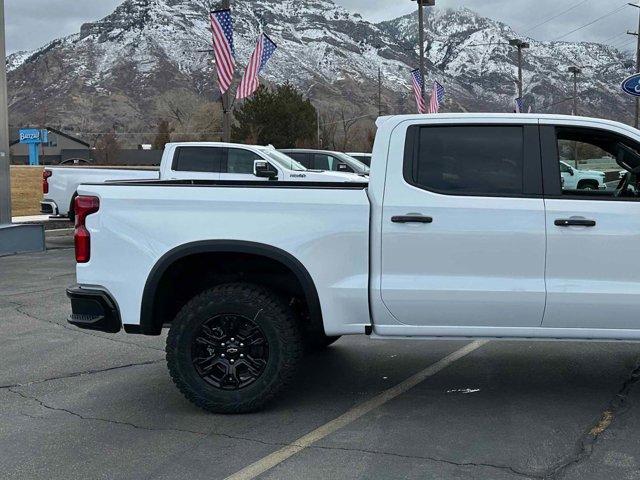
343,167
572,172
263,169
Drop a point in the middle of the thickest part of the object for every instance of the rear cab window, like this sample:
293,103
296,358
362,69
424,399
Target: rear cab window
198,159
482,160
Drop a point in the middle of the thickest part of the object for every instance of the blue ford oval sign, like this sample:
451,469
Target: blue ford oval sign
631,85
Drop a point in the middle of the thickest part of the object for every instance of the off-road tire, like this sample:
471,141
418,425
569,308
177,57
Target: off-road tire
269,312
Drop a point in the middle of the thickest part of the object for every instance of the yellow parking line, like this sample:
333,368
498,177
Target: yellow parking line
270,461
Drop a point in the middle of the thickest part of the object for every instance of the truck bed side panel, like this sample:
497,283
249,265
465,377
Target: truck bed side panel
65,181
327,230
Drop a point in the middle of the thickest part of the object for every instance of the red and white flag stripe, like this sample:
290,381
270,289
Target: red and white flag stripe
222,29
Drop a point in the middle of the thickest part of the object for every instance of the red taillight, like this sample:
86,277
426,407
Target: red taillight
83,207
45,181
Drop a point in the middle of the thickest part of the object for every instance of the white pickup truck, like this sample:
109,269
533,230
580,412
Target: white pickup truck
183,161
464,231
576,179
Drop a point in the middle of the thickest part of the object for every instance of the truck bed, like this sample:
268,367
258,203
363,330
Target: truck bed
324,227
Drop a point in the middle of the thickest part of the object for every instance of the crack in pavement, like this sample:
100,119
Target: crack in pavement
202,434
82,332
98,419
80,374
586,444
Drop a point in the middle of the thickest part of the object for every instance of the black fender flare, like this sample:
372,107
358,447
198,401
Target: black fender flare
147,324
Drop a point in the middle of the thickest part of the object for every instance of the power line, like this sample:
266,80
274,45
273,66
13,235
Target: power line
602,17
611,39
556,16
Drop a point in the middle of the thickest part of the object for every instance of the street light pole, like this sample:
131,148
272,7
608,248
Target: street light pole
5,157
520,45
423,71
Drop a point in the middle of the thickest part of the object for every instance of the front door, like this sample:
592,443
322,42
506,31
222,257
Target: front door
593,269
463,232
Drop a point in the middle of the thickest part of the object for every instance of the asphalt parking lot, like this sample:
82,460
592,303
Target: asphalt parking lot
82,405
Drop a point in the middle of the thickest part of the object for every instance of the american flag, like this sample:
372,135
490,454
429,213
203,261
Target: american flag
519,105
418,82
437,97
222,28
261,55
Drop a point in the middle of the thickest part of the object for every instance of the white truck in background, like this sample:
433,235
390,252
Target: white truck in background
185,161
465,230
576,179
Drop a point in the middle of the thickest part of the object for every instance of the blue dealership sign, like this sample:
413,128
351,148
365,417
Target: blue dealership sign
631,85
33,135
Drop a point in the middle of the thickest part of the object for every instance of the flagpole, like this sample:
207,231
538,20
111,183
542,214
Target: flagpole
421,5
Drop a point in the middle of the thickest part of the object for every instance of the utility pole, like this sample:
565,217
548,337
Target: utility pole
379,91
637,34
13,238
423,71
520,45
318,122
226,100
575,71
5,157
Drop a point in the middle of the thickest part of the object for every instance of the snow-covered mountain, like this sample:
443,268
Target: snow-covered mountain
113,70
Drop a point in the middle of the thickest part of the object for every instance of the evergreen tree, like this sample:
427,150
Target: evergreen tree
280,117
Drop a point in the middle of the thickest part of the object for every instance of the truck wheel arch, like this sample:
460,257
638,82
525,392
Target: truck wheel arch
149,324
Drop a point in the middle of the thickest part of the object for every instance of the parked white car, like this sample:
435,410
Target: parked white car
575,179
463,231
184,161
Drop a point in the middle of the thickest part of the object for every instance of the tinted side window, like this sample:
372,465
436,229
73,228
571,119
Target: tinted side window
474,160
303,158
198,159
241,161
325,162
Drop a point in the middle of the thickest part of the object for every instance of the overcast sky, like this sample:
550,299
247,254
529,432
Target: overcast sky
32,23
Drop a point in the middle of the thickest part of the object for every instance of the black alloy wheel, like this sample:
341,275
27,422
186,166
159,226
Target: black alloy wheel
230,351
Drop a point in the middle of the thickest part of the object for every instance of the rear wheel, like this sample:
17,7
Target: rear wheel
233,348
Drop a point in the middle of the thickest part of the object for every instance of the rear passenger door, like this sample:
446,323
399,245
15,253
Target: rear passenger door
197,163
463,228
238,165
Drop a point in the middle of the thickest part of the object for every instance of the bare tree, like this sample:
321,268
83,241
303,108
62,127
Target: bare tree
190,117
347,120
328,130
107,148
